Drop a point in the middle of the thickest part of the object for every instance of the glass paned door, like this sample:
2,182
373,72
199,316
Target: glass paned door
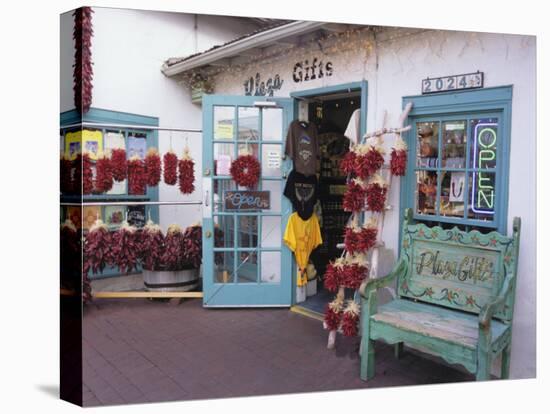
245,262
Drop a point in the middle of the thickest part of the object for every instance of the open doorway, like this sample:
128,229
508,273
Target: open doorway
333,114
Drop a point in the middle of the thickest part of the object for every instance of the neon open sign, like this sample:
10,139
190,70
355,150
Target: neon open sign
485,153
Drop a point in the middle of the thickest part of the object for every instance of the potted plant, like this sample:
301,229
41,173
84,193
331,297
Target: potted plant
171,262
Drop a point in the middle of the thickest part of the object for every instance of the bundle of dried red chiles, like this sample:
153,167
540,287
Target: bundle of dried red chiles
354,197
192,245
333,314
125,248
369,162
83,69
351,239
152,167
97,248
170,161
77,175
172,256
152,246
118,164
87,174
354,273
65,173
103,174
347,165
398,161
350,319
186,177
136,176
376,193
334,275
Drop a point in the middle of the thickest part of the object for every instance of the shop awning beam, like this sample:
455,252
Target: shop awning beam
259,40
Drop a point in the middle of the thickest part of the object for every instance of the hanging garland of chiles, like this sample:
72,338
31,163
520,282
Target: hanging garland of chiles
173,248
354,196
103,173
347,165
170,161
245,170
152,167
351,236
87,174
186,178
350,319
152,246
76,170
354,271
333,313
398,161
97,248
136,176
118,164
124,248
377,189
334,275
368,235
370,160
83,68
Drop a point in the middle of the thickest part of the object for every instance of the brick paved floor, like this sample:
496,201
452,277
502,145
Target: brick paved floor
143,351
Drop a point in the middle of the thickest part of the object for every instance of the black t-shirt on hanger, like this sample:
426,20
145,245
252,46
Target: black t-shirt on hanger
301,190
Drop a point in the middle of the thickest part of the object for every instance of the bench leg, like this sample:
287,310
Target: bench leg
398,350
505,363
483,367
367,358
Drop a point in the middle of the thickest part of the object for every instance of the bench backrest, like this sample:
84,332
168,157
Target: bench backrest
457,269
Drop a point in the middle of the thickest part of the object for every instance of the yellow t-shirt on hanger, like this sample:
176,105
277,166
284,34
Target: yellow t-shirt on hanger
302,236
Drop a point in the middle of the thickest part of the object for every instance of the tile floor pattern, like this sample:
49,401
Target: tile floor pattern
139,351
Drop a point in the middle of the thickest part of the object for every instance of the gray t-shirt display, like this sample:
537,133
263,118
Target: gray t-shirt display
302,146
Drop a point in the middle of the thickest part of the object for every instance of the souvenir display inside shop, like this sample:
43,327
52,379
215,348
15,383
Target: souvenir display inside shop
319,192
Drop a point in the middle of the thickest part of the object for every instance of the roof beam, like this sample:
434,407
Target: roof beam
236,48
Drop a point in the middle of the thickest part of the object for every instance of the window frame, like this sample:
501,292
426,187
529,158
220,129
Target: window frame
462,105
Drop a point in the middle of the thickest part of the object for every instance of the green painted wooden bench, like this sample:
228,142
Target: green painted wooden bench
454,297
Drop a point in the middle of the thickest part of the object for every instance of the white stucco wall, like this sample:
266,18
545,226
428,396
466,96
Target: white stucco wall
394,65
128,49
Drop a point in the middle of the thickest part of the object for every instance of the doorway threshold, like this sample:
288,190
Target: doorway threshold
307,312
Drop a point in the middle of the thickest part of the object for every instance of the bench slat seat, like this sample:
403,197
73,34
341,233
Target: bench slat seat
438,323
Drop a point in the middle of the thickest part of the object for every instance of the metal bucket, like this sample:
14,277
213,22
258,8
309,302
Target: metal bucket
171,281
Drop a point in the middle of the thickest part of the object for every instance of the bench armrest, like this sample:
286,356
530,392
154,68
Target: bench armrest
369,285
492,307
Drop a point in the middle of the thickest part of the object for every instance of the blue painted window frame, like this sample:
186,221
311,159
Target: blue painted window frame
479,103
105,116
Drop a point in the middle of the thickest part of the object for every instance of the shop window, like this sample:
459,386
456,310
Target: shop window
458,169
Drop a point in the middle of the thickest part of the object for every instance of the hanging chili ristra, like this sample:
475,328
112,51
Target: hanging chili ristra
97,248
172,257
136,176
192,245
186,178
83,66
333,275
87,174
354,197
368,235
170,161
333,314
376,193
152,246
76,172
350,319
103,174
347,165
351,236
65,174
369,161
398,161
124,248
152,167
118,164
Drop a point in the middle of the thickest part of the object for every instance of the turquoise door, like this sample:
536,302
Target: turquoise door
245,262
